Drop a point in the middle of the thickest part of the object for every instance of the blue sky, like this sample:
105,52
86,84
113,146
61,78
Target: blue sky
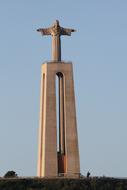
98,52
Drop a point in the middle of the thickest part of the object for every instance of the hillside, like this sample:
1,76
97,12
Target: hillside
95,183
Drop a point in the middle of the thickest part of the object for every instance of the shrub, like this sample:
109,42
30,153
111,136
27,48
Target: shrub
10,174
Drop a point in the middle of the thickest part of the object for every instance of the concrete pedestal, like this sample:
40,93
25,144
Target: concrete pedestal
49,161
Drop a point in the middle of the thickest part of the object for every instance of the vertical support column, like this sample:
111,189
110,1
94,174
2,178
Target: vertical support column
40,142
71,137
47,160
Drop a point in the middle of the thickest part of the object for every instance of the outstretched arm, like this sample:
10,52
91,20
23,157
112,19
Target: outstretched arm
67,31
44,31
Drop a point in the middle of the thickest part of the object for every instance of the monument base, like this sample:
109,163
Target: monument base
49,163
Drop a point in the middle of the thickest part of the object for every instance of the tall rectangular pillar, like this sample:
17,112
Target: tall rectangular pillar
65,161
